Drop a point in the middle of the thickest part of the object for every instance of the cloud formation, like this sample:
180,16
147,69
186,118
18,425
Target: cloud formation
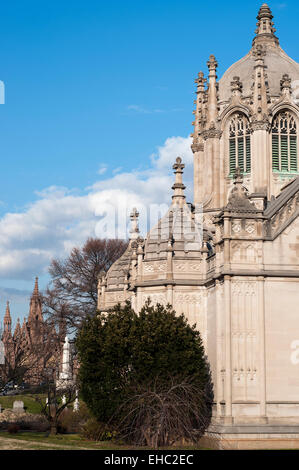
61,218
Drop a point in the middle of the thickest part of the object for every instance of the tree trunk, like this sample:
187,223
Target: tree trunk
53,429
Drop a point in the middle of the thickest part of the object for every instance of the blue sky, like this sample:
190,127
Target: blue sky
95,91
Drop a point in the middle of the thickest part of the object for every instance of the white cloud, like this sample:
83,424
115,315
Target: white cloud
63,218
103,168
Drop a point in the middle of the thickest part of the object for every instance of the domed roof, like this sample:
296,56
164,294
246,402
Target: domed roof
180,229
277,62
119,272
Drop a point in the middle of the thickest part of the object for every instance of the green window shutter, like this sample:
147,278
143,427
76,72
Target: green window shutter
275,152
241,153
293,153
284,147
248,154
232,156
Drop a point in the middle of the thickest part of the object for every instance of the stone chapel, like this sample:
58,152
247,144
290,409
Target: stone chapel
233,268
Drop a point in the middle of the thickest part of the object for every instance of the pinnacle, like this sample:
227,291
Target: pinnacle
265,32
178,186
36,286
7,313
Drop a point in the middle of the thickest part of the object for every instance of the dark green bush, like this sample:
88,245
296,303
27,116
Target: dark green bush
93,430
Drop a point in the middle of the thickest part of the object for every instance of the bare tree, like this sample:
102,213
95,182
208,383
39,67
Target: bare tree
59,395
162,413
72,293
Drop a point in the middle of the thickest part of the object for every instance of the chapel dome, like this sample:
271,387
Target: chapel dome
277,62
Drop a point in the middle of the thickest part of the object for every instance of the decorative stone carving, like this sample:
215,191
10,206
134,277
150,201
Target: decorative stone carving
187,267
155,298
154,268
197,148
238,200
236,227
250,227
189,298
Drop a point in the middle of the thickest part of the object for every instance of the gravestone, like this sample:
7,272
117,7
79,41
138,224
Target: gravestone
18,406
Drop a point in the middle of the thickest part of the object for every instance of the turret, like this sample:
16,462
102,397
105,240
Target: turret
265,27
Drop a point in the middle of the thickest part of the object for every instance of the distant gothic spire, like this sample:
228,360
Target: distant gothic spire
35,312
178,187
17,333
265,32
23,329
35,291
7,319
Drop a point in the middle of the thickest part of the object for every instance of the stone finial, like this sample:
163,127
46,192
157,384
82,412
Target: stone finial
200,81
178,186
199,102
236,86
212,92
212,63
286,84
238,199
134,232
259,52
238,176
265,32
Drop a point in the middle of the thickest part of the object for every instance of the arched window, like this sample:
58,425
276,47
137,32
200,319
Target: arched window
284,143
239,144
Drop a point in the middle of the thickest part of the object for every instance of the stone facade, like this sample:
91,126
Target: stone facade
235,271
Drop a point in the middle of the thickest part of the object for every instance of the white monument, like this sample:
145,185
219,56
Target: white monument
65,376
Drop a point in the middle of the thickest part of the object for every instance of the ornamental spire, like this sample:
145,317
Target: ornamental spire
200,81
17,333
7,319
35,291
265,32
35,311
212,92
178,187
7,312
134,232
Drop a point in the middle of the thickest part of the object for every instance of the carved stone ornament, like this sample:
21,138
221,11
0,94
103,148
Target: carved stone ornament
197,147
212,133
238,200
262,124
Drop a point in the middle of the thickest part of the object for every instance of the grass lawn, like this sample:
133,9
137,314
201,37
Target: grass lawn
30,404
73,441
